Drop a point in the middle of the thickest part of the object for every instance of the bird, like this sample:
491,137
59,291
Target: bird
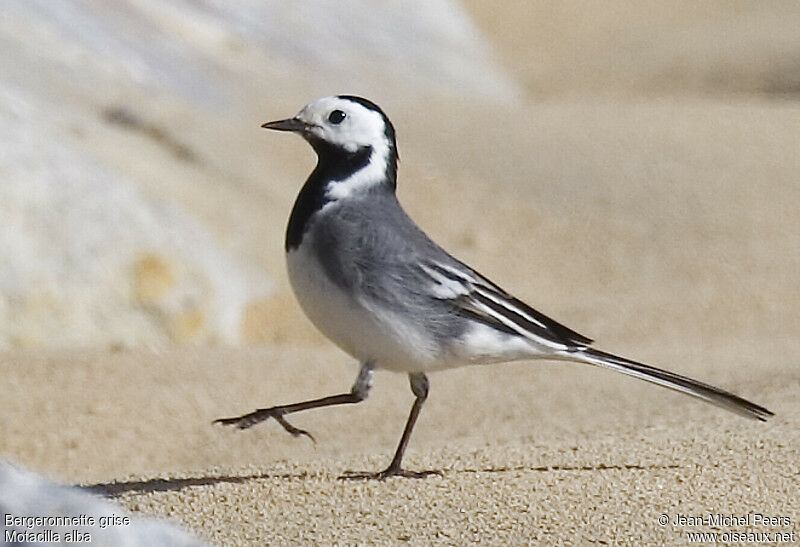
384,292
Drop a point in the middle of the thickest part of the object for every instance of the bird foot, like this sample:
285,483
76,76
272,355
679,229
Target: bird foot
256,417
390,471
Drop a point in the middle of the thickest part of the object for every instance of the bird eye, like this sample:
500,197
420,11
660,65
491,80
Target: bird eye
336,117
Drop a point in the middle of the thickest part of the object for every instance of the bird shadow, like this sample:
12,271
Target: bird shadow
115,489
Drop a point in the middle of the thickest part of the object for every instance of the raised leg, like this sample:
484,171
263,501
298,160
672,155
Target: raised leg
419,386
358,393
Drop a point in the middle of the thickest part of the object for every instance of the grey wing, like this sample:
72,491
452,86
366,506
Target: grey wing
475,296
379,252
372,250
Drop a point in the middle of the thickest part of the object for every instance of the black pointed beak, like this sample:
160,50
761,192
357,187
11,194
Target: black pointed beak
291,124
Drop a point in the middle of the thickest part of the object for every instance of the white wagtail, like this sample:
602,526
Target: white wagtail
381,290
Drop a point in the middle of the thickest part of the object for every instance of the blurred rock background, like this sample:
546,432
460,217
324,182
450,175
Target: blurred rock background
134,185
639,155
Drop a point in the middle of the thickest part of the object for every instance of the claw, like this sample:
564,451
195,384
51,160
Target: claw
228,421
294,431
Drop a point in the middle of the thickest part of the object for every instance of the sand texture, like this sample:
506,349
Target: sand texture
527,453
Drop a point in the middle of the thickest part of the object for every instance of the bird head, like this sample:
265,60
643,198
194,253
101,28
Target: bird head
344,122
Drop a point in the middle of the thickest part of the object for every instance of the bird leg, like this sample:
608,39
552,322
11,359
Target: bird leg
419,386
358,393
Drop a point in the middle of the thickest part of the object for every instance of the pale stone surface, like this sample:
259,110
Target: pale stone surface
37,511
136,210
88,259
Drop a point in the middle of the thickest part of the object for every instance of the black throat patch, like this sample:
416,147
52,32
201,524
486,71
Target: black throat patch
333,164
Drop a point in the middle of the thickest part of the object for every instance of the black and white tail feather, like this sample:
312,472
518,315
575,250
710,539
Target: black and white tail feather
475,296
703,391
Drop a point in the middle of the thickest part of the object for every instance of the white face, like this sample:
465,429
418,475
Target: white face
345,123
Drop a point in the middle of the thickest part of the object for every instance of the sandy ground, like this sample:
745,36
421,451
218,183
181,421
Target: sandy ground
527,452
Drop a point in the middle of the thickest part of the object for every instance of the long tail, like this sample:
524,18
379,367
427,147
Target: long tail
708,393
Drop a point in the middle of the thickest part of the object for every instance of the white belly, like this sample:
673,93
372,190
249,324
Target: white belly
365,331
